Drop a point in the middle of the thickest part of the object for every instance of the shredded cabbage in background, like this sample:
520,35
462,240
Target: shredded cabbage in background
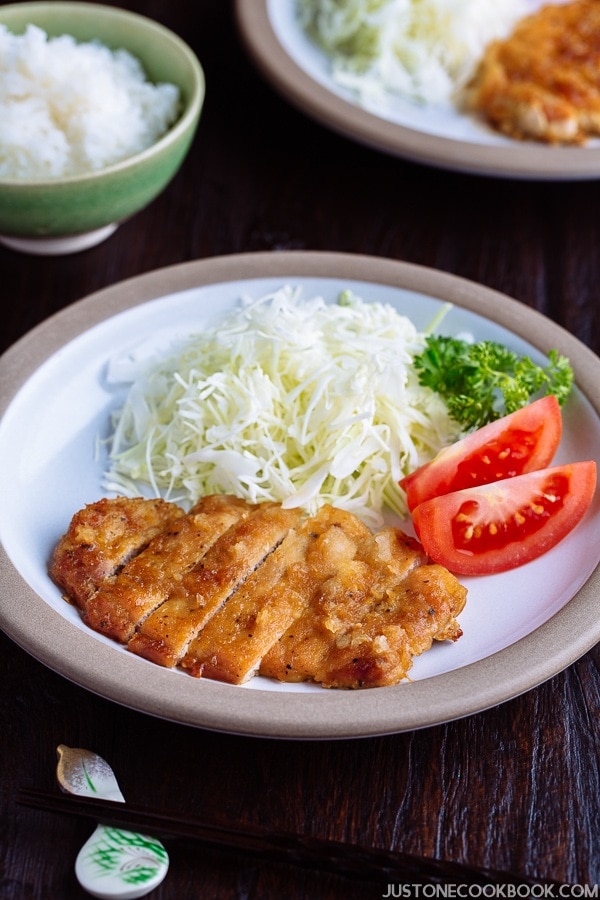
424,50
295,401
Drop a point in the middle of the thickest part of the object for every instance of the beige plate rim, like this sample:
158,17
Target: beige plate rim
521,160
79,657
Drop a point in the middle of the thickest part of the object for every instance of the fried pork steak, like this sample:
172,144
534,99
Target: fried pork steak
233,589
543,81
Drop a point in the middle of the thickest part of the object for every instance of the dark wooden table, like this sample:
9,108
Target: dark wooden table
516,787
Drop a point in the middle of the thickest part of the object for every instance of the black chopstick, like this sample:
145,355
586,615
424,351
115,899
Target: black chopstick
332,856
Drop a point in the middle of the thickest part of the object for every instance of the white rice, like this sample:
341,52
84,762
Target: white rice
69,108
423,50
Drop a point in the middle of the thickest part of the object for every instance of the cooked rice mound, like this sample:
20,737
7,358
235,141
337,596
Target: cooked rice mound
70,108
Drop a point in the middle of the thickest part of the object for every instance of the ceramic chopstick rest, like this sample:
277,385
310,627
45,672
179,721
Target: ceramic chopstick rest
114,864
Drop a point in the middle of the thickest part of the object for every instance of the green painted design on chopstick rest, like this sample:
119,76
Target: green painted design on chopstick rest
135,858
88,779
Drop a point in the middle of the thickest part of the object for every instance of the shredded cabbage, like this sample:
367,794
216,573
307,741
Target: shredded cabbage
298,401
424,50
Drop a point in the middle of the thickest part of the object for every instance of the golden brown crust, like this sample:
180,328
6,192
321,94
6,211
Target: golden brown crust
234,588
543,81
123,601
369,618
165,635
102,537
233,644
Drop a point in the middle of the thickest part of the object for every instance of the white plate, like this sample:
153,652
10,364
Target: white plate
520,628
425,134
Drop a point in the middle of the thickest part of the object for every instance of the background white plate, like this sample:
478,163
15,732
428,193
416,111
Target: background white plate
434,136
519,628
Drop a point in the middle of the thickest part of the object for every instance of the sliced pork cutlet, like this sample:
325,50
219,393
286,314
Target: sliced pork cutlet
102,537
369,618
233,643
165,635
543,81
147,580
379,649
335,550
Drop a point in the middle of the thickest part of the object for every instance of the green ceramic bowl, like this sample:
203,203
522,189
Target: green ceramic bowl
71,213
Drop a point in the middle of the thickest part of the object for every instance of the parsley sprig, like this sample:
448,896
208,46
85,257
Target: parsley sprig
481,382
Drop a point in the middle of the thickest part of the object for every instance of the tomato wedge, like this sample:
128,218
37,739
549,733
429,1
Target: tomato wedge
520,442
495,527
